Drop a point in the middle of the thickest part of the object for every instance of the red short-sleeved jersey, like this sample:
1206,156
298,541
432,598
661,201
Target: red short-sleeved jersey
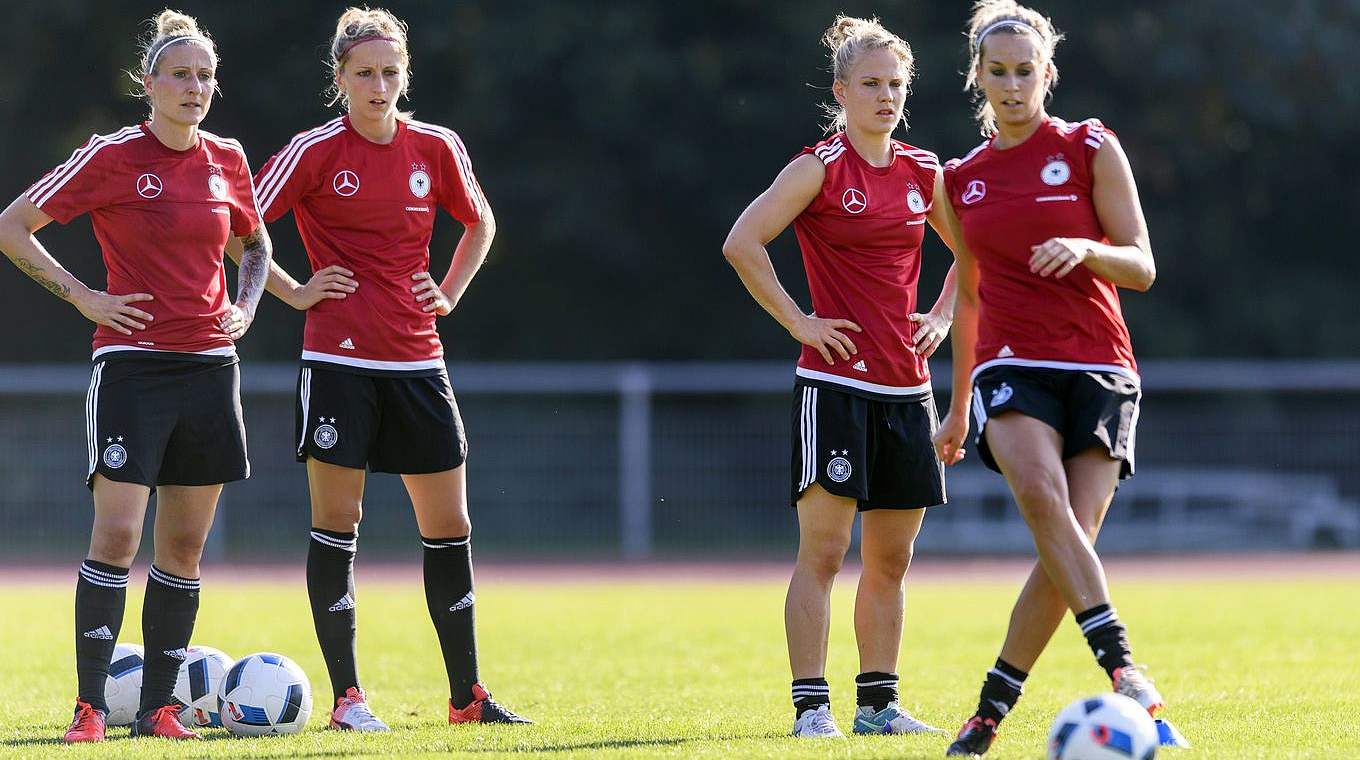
162,218
370,208
1009,200
861,243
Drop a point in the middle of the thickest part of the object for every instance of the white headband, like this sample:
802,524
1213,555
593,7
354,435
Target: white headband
151,64
977,43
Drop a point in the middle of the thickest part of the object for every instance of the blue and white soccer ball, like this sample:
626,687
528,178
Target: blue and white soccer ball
196,686
1105,727
123,689
264,694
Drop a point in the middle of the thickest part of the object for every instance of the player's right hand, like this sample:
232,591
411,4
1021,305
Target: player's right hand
950,437
825,335
116,312
333,282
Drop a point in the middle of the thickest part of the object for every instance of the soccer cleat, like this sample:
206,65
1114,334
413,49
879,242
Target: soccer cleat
817,724
1134,683
351,713
163,722
483,709
974,739
1168,736
86,726
891,720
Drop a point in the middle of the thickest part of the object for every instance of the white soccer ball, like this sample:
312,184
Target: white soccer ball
264,694
123,689
197,684
1104,727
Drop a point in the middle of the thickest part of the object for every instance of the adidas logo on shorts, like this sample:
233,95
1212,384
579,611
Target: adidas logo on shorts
345,602
102,632
463,603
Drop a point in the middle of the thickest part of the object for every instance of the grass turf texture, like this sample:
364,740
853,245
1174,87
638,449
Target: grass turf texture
1253,669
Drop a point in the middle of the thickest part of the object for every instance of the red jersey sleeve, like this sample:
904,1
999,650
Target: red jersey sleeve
78,184
1093,133
460,194
283,180
245,213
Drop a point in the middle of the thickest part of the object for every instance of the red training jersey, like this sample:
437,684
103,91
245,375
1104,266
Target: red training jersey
861,243
370,208
162,218
1009,200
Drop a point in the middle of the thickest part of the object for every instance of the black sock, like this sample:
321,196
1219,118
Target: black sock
101,591
167,623
330,587
809,694
875,689
1001,690
1106,636
449,595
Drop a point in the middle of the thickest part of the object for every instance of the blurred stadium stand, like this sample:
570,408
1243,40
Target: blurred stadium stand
637,460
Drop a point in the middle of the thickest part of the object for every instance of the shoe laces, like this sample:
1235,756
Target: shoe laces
978,723
1132,678
159,714
84,714
821,719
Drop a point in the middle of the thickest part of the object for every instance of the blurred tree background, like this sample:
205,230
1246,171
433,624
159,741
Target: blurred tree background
617,142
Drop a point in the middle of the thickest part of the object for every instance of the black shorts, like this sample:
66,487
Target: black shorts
1089,409
159,421
877,452
395,423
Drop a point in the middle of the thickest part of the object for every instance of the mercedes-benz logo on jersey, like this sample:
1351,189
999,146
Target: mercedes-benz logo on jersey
420,183
1056,171
854,201
974,192
217,186
115,456
915,201
839,469
346,183
149,186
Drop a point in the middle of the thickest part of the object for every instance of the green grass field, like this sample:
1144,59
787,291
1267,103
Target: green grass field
1253,669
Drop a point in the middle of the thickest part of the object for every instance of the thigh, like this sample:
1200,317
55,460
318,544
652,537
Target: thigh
337,495
830,443
208,444
440,502
1028,453
130,412
421,429
1092,477
119,512
824,520
905,472
185,513
335,416
887,535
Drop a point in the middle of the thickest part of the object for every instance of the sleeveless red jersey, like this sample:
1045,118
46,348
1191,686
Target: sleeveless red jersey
861,243
162,218
1009,200
370,208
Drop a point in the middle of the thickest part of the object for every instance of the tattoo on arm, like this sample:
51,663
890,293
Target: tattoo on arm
40,276
257,250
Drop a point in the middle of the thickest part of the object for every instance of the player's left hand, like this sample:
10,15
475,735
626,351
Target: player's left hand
426,289
930,334
236,321
1056,257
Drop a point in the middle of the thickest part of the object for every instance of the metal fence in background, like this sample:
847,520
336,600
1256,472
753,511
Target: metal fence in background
636,460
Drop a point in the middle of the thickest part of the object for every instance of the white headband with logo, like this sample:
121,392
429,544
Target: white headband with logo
977,44
151,64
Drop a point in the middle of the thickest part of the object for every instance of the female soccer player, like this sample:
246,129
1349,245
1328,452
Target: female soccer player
1050,226
863,412
163,410
373,390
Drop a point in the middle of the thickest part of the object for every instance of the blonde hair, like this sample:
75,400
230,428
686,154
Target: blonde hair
356,25
990,17
169,28
848,38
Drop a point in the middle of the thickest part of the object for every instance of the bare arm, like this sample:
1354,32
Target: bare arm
254,252
934,324
767,216
332,282
1126,260
954,429
468,257
18,223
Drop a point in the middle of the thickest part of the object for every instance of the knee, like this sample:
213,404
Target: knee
341,517
181,551
888,565
822,558
116,543
1040,497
